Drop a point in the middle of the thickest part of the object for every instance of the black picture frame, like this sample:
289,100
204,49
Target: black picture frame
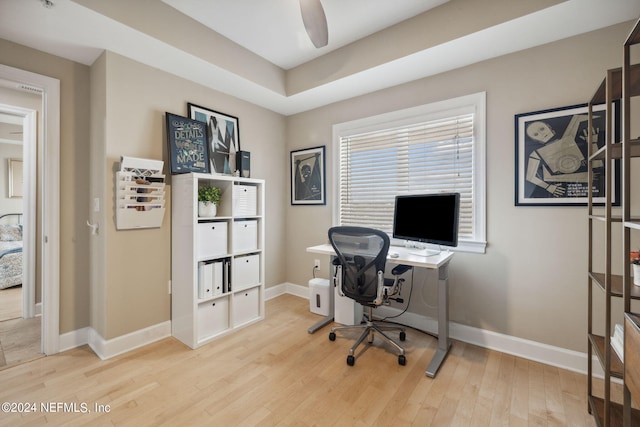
187,139
308,180
551,151
223,137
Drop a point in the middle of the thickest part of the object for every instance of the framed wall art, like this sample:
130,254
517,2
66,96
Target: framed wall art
15,178
308,176
551,157
187,140
223,137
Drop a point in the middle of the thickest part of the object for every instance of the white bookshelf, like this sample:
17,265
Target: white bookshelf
232,242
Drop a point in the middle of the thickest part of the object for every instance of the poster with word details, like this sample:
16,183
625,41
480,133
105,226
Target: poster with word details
188,150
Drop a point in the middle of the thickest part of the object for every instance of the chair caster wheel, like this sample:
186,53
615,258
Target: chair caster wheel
351,360
403,336
332,336
402,360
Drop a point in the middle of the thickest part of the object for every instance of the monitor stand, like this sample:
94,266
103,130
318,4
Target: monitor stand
424,252
421,249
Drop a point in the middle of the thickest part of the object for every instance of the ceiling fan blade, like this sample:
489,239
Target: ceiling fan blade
315,22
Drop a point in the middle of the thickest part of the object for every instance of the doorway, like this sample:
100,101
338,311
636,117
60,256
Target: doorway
20,322
42,179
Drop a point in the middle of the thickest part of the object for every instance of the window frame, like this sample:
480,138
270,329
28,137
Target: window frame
475,103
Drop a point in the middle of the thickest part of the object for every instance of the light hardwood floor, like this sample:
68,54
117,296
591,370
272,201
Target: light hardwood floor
20,339
275,373
10,303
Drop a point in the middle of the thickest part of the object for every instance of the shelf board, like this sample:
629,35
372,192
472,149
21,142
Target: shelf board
600,95
634,223
616,285
599,217
615,417
616,150
616,282
617,367
634,318
634,36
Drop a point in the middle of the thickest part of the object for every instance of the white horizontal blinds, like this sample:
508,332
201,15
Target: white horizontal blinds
426,157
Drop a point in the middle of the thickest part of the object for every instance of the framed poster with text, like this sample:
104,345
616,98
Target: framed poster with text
187,140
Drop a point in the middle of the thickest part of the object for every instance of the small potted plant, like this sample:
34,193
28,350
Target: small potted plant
635,261
208,200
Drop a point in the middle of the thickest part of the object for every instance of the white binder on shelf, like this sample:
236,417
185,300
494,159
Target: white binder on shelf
212,279
140,193
205,280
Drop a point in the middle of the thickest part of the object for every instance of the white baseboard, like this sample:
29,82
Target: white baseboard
73,339
286,288
106,349
550,355
527,349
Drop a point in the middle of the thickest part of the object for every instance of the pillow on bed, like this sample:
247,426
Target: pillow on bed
10,233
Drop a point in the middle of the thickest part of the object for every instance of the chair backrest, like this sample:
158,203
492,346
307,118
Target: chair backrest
362,253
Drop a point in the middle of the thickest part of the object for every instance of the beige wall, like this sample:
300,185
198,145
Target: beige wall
137,263
74,173
532,281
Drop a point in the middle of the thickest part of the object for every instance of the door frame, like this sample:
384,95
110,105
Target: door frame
48,179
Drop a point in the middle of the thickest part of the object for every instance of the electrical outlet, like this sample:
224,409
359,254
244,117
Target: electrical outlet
316,264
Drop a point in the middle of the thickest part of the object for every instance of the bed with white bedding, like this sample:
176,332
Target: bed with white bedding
10,250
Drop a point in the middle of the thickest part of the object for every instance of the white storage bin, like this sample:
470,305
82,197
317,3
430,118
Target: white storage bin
245,200
245,236
211,239
213,318
246,271
246,306
320,301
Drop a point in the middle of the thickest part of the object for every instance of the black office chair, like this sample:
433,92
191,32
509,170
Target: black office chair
361,254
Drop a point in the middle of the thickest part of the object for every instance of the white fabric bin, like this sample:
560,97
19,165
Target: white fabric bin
245,236
245,200
246,271
211,239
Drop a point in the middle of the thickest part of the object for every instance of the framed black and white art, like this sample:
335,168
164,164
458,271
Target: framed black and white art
223,137
551,157
308,176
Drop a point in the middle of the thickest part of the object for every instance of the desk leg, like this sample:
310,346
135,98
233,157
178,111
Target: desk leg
320,324
444,344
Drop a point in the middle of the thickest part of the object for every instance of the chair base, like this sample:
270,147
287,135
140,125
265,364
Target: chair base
369,328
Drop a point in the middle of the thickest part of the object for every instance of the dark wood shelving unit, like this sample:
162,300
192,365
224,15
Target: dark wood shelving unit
619,85
630,90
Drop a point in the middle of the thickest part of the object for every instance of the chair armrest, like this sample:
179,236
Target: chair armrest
400,269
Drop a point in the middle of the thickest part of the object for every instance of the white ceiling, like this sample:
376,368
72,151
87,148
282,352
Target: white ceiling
81,34
273,29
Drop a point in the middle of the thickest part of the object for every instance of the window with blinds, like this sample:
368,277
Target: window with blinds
428,154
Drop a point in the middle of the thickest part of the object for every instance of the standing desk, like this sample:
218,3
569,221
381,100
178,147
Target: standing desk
438,262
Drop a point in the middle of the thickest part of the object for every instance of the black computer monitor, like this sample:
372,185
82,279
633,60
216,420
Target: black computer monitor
427,218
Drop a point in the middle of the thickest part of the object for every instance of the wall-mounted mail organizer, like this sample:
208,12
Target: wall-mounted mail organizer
139,193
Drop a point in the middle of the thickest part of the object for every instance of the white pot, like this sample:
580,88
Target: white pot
207,209
636,274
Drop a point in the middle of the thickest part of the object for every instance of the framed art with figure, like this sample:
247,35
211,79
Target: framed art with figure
223,137
551,157
308,176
